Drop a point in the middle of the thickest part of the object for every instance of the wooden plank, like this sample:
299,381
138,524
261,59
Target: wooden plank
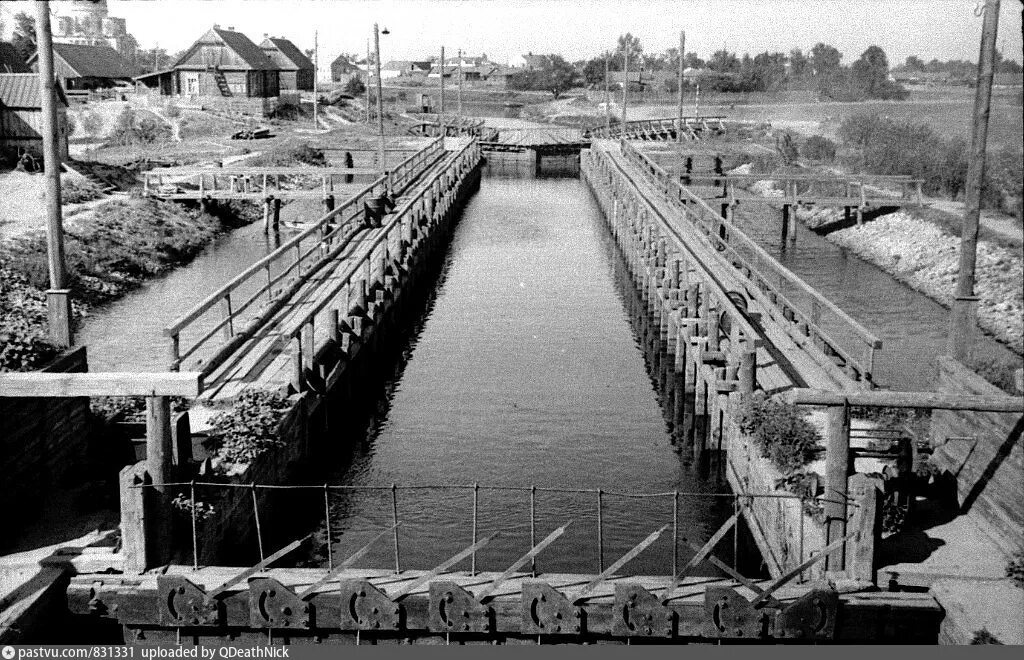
188,384
919,400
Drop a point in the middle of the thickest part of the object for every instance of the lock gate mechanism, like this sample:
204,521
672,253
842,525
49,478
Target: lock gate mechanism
365,607
639,613
182,603
273,605
453,609
810,617
548,612
729,615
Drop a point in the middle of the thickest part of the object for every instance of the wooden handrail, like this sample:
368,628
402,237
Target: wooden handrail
161,383
891,399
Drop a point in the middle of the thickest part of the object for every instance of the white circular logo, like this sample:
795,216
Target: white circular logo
8,652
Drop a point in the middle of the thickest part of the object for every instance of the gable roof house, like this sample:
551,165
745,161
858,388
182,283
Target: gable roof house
21,114
83,67
343,68
223,69
296,71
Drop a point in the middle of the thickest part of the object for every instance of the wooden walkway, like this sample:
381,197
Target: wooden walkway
692,128
542,140
264,327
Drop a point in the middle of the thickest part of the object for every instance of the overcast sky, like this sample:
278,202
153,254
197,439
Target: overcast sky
577,29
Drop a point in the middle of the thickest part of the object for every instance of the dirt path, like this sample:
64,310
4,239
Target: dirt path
1005,226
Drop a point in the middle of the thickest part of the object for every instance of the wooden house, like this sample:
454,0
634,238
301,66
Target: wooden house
295,70
81,67
344,69
21,114
223,69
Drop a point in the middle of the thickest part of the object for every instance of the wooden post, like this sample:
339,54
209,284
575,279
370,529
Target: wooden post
276,223
682,58
133,517
785,223
837,467
57,296
861,551
748,371
159,445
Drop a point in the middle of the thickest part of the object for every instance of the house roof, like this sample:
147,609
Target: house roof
10,59
92,61
285,54
253,56
24,90
396,65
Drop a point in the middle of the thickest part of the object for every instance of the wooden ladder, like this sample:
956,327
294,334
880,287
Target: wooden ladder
222,82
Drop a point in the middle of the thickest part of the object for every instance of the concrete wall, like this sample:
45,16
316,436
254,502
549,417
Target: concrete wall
983,452
41,440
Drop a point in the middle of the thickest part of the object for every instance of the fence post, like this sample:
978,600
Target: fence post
864,491
133,517
837,462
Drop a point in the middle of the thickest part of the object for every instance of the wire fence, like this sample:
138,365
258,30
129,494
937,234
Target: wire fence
393,505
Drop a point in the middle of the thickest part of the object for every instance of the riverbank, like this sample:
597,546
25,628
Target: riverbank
110,248
924,256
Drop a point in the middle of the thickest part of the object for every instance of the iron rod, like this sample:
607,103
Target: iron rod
533,528
675,533
327,526
476,493
195,535
736,532
256,516
600,532
394,519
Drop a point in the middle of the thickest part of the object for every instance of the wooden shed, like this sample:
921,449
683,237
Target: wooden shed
21,114
295,70
82,67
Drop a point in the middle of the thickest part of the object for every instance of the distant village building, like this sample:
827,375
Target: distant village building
407,68
82,67
296,70
88,23
21,114
344,69
10,59
223,69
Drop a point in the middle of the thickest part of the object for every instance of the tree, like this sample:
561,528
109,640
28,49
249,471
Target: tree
870,76
825,60
799,66
554,75
723,61
627,43
914,63
592,71
354,87
23,37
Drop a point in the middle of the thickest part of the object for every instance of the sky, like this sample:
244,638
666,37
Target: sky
577,29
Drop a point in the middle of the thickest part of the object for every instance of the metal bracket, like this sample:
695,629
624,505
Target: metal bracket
273,605
812,616
365,607
548,612
639,613
182,603
453,609
729,615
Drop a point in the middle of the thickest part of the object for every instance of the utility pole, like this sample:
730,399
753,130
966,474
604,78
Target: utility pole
460,85
316,70
607,97
444,128
367,81
58,296
156,57
963,316
625,84
682,56
380,101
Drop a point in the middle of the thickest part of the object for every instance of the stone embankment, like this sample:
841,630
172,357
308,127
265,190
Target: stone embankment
926,258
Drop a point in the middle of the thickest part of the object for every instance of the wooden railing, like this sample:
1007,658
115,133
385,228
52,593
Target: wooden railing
857,190
286,266
384,251
658,127
769,276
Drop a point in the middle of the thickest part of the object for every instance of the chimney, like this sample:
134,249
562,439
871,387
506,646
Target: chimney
231,28
266,36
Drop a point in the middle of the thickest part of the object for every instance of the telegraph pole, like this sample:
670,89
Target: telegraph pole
460,84
316,69
380,101
963,316
625,84
444,128
607,97
682,56
58,296
367,81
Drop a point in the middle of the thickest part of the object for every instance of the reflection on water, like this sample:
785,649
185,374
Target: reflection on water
525,371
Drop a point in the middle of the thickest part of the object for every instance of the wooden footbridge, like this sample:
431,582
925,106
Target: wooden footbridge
690,128
544,141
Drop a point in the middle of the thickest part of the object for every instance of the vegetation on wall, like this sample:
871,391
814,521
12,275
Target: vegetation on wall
781,431
249,428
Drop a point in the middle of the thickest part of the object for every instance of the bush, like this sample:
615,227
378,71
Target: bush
354,86
249,428
75,190
24,342
818,148
996,371
782,432
290,155
1015,569
130,129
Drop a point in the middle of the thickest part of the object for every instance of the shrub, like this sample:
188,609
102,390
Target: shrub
290,154
1015,569
24,343
74,190
354,86
249,428
782,432
996,371
130,129
819,148
171,110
